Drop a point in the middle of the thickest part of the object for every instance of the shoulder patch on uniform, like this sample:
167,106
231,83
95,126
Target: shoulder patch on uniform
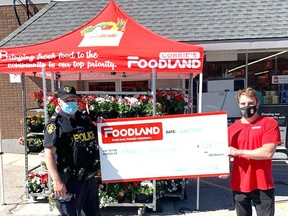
53,116
51,128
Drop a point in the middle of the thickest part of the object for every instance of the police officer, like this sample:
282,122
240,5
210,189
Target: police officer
72,157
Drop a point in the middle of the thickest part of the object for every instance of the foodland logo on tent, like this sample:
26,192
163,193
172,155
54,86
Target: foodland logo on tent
103,34
170,60
132,133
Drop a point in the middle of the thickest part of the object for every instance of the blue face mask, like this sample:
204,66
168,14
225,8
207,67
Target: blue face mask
70,107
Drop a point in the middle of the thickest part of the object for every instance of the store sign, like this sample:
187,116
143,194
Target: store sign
279,113
279,79
166,147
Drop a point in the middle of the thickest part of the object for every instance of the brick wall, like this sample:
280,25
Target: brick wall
11,111
8,20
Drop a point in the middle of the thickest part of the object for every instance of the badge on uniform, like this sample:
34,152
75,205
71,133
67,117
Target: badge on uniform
67,89
51,128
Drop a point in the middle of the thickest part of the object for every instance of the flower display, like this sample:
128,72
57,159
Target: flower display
112,193
127,105
173,102
35,140
37,181
38,97
146,106
167,102
32,140
51,103
35,120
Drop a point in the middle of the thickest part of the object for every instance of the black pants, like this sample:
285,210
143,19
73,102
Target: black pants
263,200
85,198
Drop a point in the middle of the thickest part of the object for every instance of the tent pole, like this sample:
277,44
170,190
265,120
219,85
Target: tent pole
24,107
46,115
153,87
44,94
190,99
154,90
52,82
199,111
1,167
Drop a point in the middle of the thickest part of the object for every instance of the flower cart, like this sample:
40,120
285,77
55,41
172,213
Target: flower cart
37,182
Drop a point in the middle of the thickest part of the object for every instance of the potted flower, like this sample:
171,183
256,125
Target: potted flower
34,142
35,123
173,102
145,192
37,181
166,187
128,106
51,104
112,193
107,106
146,106
38,97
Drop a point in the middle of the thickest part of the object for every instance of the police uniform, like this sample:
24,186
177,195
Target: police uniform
77,159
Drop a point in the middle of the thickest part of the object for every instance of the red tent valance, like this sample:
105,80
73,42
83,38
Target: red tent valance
111,42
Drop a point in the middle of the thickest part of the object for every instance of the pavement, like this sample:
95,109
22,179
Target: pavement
214,194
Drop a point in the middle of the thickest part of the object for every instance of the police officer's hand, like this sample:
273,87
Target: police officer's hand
59,188
100,119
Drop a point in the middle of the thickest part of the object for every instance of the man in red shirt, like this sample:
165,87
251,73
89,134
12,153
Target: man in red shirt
252,143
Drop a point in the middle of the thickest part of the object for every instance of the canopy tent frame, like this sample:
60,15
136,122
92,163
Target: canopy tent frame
146,51
141,206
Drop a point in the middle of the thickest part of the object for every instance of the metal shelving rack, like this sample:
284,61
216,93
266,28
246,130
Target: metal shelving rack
27,134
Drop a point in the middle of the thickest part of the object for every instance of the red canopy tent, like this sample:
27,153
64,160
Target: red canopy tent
111,42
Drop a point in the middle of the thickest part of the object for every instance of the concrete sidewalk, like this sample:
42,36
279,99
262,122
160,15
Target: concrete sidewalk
215,195
15,201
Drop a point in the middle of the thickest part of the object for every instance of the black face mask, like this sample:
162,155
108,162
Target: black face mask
248,111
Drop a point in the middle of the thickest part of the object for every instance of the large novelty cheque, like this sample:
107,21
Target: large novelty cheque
164,147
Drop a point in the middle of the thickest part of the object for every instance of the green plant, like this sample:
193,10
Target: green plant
164,187
51,103
111,193
172,102
36,140
128,105
146,188
38,96
37,182
35,120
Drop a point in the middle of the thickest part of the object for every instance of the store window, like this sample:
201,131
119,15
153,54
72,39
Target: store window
102,86
262,69
135,85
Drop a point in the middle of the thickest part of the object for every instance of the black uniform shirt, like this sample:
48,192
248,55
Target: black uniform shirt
75,140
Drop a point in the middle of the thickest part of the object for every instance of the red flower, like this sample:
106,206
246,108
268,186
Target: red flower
38,96
44,178
31,175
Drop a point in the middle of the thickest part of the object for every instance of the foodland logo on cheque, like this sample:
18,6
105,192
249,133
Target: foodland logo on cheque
170,60
132,133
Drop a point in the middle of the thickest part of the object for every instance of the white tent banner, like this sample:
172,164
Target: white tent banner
166,147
